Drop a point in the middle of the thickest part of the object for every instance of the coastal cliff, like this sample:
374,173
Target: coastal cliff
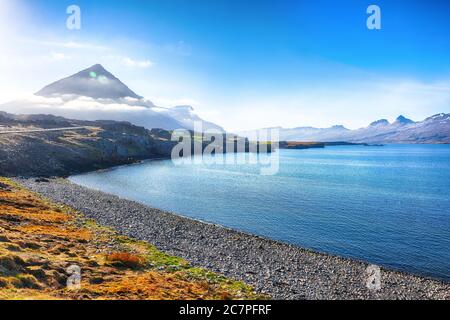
46,145
33,145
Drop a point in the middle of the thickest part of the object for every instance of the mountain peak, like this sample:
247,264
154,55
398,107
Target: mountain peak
98,65
439,117
95,82
403,121
338,127
97,68
381,122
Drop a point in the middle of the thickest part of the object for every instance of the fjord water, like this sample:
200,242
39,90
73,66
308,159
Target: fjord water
386,205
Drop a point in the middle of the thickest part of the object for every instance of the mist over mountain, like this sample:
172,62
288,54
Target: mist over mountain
96,94
186,116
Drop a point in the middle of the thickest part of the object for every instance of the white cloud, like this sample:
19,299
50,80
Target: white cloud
57,105
136,63
172,102
345,97
138,112
353,104
58,56
65,44
129,62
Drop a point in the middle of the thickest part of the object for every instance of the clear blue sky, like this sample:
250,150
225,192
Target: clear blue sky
286,63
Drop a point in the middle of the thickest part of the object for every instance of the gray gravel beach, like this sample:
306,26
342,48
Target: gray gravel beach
283,271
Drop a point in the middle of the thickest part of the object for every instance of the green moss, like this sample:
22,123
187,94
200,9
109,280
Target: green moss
184,270
236,288
201,274
25,281
10,182
153,256
160,259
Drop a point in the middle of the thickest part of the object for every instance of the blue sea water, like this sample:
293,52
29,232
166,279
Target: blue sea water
386,205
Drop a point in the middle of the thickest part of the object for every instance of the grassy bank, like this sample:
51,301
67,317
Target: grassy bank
39,241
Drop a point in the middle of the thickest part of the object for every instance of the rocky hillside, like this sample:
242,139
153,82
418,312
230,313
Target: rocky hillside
96,145
46,145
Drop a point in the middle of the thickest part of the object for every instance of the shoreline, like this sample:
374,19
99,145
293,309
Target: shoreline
135,163
42,244
281,270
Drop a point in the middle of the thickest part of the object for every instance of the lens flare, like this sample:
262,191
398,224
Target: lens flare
103,79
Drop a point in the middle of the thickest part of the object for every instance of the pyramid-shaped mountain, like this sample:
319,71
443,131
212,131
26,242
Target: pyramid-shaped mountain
401,120
95,82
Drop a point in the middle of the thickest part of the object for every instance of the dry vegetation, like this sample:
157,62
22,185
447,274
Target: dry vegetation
39,241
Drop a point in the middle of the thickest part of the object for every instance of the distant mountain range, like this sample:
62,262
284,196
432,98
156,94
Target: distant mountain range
435,129
96,94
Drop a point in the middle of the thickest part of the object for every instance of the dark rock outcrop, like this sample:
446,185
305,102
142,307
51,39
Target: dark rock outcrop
45,145
99,144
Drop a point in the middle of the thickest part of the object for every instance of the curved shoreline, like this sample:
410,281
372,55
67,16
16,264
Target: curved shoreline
281,270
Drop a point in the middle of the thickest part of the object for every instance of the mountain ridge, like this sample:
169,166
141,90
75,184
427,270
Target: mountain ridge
434,129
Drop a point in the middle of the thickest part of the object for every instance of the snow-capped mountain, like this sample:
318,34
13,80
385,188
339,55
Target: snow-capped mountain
186,116
435,129
94,82
304,133
96,94
402,121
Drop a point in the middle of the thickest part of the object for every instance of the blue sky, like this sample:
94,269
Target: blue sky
243,64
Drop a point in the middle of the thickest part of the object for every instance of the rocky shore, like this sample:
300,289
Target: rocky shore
283,271
52,252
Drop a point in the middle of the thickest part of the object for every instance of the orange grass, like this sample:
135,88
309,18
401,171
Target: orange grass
39,241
